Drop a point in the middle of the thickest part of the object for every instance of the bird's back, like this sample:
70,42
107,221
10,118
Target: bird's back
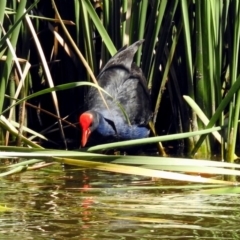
126,84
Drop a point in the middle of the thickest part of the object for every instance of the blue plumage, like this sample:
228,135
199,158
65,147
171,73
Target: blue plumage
125,82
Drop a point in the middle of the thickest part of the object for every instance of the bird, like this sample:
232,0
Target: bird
126,84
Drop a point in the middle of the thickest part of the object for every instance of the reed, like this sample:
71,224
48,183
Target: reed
191,48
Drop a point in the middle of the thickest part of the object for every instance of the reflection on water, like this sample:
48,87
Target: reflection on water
97,205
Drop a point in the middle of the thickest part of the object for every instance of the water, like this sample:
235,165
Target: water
70,204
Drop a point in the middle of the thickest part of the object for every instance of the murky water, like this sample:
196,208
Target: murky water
70,204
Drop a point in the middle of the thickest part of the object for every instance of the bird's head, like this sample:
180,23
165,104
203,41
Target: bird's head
88,121
85,120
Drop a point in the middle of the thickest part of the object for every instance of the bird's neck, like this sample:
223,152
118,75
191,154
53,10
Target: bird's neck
120,130
106,127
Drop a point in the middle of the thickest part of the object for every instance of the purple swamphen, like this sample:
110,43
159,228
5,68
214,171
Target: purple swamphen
125,82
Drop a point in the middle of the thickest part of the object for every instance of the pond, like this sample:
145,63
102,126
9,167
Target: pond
83,204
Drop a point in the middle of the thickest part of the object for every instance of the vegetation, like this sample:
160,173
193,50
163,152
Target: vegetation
50,52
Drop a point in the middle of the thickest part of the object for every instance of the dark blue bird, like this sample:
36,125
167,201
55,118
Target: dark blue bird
125,82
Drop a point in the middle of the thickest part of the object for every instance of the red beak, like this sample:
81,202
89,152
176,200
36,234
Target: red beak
85,136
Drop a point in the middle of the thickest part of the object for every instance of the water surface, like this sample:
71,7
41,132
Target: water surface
71,204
